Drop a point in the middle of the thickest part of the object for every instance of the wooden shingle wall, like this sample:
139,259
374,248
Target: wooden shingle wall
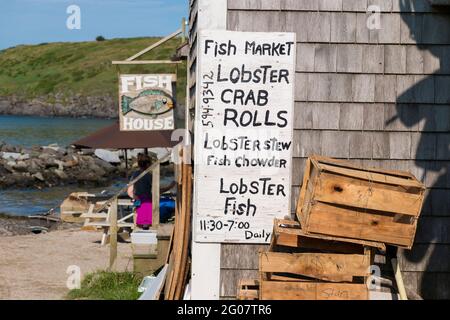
378,97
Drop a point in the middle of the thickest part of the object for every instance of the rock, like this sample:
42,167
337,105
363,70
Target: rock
61,174
38,176
98,171
51,164
54,147
70,163
10,155
11,163
34,166
24,157
60,164
45,156
87,152
105,165
20,166
108,156
35,154
50,151
9,167
37,162
9,148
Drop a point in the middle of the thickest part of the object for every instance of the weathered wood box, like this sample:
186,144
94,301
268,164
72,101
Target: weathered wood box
296,290
248,289
295,255
304,267
343,200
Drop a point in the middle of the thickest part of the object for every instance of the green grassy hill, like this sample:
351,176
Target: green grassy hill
84,68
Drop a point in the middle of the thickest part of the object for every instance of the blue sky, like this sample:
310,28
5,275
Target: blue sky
38,21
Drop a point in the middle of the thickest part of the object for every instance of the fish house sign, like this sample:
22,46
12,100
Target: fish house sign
146,102
243,134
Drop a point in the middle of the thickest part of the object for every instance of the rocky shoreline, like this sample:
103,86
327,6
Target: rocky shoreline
77,106
50,166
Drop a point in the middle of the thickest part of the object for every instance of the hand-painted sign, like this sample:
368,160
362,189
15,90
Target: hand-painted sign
243,134
146,102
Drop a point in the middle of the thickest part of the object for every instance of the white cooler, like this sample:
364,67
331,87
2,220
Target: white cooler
144,243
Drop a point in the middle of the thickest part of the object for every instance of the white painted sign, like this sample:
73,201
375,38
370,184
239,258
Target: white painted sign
243,134
146,102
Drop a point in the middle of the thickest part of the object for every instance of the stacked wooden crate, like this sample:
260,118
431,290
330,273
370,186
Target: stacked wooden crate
299,266
340,199
345,213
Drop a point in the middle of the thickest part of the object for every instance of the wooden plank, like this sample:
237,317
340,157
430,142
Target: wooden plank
323,266
345,191
94,215
248,294
347,164
146,62
288,233
248,289
108,224
155,195
277,290
113,236
186,231
337,221
399,280
371,176
156,44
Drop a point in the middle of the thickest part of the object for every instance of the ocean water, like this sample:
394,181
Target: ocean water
29,131
27,202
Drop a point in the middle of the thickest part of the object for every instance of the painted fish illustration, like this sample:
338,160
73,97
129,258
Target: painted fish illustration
149,102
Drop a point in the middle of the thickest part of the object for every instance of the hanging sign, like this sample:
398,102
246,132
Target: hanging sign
146,102
243,134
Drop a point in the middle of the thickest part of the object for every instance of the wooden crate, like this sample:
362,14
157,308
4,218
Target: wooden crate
342,200
248,289
334,267
288,233
297,290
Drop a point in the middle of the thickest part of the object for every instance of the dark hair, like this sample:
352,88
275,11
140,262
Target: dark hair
144,161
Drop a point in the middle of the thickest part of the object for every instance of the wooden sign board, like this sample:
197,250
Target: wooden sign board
146,102
243,134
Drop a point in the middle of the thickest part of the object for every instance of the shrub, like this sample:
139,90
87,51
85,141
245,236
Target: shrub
103,285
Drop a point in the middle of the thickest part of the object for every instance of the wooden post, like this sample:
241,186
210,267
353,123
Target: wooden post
155,196
126,163
399,280
113,235
183,30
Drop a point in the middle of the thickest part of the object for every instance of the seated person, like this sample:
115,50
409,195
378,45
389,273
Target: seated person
141,192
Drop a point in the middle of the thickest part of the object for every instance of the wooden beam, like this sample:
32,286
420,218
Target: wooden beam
155,196
160,42
113,236
324,266
183,30
399,280
147,62
281,290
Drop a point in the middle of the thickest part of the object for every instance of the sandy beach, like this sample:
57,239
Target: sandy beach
34,266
